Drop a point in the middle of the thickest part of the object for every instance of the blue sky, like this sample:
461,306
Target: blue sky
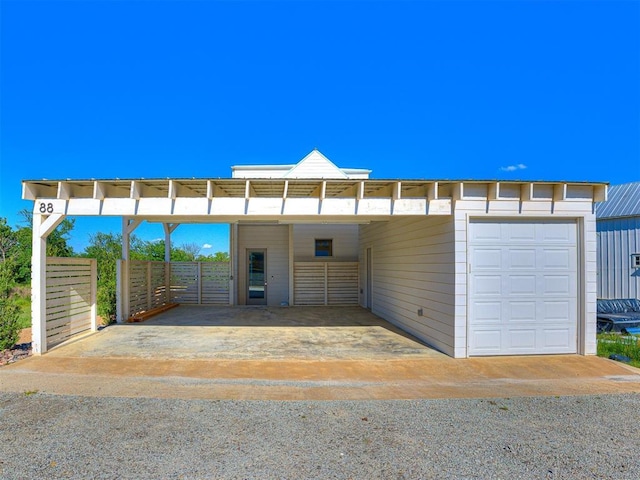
534,90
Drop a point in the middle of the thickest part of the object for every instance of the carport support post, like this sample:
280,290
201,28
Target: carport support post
168,230
128,226
43,225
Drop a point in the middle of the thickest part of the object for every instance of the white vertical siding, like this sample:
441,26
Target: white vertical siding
412,270
618,239
275,240
345,242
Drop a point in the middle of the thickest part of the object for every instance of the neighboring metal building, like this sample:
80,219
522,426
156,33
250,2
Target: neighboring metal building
471,267
618,232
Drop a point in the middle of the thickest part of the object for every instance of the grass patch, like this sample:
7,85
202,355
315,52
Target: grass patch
24,314
628,345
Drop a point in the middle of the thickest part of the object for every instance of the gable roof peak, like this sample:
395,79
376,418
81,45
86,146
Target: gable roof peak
315,165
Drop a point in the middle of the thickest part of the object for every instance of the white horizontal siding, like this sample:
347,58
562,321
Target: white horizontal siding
275,240
345,242
412,269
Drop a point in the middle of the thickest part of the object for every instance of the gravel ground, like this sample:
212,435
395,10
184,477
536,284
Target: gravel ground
48,436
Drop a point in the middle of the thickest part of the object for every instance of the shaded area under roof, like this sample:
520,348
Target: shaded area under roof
623,201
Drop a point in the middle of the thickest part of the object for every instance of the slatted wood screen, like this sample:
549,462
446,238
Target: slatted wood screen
71,298
215,282
147,286
185,284
325,283
189,283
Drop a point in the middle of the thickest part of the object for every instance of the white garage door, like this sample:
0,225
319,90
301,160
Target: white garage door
523,286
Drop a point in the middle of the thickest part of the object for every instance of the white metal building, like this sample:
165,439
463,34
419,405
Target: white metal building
471,267
618,234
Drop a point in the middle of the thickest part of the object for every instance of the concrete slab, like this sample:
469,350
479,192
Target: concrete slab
293,354
250,333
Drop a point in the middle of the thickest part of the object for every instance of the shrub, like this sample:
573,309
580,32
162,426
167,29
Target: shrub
9,324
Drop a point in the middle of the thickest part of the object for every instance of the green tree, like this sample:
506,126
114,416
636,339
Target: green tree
9,310
217,257
57,245
106,248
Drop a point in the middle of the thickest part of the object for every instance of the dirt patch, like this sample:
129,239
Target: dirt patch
20,350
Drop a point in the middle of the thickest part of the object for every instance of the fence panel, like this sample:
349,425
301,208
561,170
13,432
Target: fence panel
184,286
70,298
147,286
325,283
215,282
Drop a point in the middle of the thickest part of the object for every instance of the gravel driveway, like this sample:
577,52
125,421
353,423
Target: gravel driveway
573,437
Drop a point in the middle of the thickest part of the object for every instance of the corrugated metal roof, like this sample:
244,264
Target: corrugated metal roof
622,201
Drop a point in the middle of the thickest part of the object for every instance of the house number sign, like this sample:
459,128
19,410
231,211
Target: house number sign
46,207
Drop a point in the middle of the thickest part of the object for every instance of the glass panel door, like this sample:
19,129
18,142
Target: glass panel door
256,277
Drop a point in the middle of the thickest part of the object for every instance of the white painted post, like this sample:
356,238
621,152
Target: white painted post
120,266
42,227
233,254
123,304
94,294
291,260
128,226
38,288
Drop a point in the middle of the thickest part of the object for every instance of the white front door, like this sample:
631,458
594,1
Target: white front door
523,287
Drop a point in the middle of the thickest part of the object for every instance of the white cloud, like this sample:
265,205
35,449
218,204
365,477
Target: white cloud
513,168
206,245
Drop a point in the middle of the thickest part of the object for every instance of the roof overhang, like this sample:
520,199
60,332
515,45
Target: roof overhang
285,200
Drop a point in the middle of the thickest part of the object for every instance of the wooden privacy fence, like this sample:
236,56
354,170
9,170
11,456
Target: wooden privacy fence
70,297
199,283
147,286
325,283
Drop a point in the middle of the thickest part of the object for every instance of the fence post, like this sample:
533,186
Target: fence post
199,283
149,290
94,294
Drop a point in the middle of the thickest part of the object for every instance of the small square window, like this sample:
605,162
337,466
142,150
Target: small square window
635,260
324,247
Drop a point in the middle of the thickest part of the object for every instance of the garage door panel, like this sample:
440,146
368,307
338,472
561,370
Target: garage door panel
563,232
556,339
519,232
488,342
521,341
557,259
488,285
521,258
534,282
521,285
489,259
520,312
488,313
486,232
557,285
559,311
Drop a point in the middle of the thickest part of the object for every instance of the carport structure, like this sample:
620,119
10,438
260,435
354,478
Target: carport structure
471,267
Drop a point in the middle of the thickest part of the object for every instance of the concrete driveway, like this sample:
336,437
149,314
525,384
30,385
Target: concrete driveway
294,353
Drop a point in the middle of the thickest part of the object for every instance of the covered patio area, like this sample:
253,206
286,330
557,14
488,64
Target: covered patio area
194,332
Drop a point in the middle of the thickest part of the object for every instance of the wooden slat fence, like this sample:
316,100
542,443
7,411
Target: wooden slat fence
70,297
325,283
147,286
200,282
195,283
